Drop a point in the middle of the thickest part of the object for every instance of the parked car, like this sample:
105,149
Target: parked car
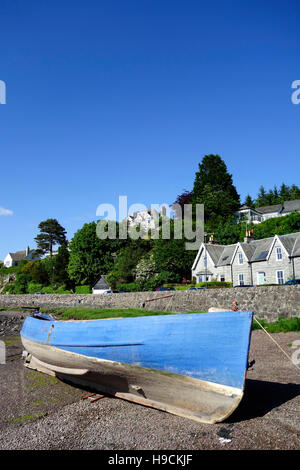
292,282
195,288
164,288
108,291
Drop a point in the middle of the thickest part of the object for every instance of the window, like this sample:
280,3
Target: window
241,258
262,255
241,279
278,253
280,277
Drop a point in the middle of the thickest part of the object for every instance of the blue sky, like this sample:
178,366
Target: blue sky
125,97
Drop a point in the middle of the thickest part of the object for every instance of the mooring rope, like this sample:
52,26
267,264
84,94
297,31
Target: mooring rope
276,342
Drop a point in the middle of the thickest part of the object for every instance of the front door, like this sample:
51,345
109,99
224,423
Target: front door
260,278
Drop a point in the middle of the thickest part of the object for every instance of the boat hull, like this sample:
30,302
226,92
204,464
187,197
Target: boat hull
163,387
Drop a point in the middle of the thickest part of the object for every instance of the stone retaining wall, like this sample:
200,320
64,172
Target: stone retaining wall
267,302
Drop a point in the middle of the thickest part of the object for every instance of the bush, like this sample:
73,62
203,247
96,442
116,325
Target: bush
62,290
83,290
8,289
34,287
20,284
214,284
130,287
55,290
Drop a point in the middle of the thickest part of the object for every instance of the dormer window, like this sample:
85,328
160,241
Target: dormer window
278,253
241,260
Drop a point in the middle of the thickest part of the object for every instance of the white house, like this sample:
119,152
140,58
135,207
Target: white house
13,259
101,286
146,219
272,260
260,214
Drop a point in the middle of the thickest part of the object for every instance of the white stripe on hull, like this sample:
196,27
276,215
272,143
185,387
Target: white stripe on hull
181,395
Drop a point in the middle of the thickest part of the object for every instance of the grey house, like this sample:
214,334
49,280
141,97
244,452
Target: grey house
252,262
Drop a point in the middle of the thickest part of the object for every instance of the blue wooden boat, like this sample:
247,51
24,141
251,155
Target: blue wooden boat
193,365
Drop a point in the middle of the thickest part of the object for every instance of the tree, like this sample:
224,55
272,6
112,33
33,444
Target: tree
249,201
229,232
61,261
185,198
214,188
91,256
20,284
52,233
278,226
36,271
294,192
170,255
284,192
124,269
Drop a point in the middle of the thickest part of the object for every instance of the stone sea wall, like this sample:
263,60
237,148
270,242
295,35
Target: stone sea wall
267,302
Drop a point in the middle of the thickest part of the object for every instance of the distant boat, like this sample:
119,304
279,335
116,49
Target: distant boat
192,365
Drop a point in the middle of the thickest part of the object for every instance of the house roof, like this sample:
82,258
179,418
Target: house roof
226,255
284,208
289,206
18,255
214,251
101,284
249,249
262,248
288,243
268,209
296,248
245,207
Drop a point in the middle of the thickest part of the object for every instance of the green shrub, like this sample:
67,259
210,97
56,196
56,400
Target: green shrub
130,287
34,287
55,290
83,290
62,290
8,289
214,284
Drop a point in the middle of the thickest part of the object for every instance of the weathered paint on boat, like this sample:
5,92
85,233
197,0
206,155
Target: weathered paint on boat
192,365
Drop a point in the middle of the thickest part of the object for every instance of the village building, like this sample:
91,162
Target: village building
260,214
13,259
272,260
146,219
101,286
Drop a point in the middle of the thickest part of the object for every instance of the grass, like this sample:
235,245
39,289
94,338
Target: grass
282,325
23,419
88,313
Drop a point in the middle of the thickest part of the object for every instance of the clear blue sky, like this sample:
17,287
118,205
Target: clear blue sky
125,97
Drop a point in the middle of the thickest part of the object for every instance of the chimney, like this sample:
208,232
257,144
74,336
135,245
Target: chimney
211,240
249,236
